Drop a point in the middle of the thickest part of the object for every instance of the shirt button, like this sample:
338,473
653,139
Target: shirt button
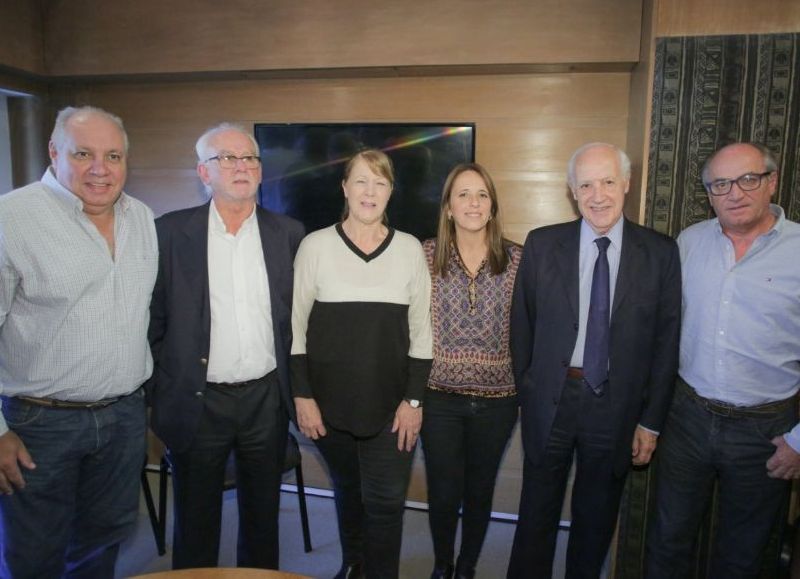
199,394
722,332
575,327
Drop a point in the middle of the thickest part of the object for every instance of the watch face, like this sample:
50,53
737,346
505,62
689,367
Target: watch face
413,403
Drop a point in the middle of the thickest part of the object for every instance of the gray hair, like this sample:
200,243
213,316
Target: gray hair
59,134
203,143
770,162
624,160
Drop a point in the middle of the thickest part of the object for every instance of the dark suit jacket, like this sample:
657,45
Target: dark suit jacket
645,325
180,316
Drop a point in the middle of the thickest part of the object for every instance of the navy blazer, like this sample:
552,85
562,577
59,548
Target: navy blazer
645,327
180,316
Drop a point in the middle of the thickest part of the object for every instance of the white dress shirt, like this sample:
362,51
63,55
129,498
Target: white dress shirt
242,340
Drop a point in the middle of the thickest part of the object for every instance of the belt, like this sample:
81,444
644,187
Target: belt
721,408
53,403
241,384
575,373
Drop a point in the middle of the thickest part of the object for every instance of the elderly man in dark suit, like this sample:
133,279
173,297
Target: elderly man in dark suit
594,337
220,333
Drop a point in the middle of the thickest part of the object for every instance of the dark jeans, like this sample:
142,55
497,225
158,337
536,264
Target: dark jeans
583,427
82,499
697,448
464,438
251,422
370,481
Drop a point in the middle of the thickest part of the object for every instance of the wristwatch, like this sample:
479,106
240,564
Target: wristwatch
413,402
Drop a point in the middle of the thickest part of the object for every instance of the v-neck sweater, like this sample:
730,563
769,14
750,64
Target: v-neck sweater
361,327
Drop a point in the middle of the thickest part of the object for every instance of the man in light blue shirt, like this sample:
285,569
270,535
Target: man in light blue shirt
734,415
78,261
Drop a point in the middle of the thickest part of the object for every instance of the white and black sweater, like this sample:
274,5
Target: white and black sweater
361,327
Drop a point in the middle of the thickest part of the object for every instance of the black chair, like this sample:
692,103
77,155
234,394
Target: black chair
158,520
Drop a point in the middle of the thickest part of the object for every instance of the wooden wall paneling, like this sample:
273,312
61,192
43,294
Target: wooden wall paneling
149,36
21,44
713,17
527,126
639,110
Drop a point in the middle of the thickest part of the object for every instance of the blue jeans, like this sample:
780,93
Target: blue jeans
370,481
697,448
82,499
464,438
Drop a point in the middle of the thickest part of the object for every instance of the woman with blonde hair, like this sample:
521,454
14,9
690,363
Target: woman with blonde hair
360,361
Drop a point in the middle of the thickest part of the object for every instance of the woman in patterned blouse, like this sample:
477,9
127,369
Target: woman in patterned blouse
470,402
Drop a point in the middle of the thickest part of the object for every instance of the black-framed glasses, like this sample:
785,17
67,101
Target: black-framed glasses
229,161
746,182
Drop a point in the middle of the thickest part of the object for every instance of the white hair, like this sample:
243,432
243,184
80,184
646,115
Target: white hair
202,147
59,134
624,160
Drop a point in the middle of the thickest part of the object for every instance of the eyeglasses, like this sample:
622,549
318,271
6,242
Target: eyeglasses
746,182
229,161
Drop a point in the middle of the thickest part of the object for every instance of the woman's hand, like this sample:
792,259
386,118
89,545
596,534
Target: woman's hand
407,423
309,418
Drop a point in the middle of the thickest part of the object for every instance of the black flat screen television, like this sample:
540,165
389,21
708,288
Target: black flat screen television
303,166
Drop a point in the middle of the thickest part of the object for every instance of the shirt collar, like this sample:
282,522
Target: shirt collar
457,264
614,234
217,225
69,199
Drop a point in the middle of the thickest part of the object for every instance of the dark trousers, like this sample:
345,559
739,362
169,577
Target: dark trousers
464,438
370,481
584,426
250,422
697,448
82,499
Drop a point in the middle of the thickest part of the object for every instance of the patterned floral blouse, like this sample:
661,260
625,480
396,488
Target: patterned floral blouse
470,316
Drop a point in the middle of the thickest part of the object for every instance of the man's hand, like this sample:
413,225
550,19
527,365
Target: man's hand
407,423
644,443
309,418
12,454
785,463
